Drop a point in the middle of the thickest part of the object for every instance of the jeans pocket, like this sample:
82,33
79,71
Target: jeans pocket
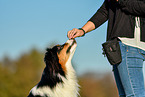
123,48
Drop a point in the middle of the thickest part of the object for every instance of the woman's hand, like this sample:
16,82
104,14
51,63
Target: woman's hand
89,26
75,33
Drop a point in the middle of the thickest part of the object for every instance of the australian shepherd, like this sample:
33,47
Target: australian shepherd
58,78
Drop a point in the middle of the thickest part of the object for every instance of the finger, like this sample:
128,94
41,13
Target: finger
76,35
72,33
68,34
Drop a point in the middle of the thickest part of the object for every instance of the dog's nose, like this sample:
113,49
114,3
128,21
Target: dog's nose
74,40
71,41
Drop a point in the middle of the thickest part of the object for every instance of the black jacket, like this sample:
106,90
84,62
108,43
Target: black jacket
121,17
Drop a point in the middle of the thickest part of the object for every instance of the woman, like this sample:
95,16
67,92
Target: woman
126,21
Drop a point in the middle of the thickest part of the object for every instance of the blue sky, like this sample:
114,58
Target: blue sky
25,24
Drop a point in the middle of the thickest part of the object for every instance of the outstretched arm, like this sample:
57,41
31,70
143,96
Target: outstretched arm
89,26
96,20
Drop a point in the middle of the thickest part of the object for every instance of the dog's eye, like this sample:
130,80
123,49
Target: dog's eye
60,47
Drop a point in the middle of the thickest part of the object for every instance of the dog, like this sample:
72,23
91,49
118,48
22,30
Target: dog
58,78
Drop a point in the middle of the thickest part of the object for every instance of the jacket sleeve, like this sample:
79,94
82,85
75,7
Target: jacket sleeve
133,7
101,15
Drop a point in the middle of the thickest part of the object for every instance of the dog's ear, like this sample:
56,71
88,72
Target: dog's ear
51,56
52,62
48,56
50,74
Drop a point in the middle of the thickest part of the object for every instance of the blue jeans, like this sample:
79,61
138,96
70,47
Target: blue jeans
129,73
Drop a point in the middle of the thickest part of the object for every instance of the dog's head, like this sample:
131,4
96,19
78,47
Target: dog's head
57,56
56,69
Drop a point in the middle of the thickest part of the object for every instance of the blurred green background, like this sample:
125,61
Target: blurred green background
17,77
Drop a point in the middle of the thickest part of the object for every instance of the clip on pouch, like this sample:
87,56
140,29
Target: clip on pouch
112,50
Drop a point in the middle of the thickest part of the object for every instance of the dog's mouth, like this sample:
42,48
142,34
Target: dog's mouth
68,47
66,51
72,45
